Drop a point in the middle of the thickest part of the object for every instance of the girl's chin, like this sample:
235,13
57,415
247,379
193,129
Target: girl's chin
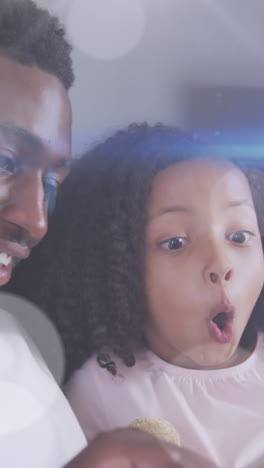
209,357
211,360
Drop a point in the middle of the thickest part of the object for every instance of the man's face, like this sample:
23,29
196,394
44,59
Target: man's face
204,263
35,144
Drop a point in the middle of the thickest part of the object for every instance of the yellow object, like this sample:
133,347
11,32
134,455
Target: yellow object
158,427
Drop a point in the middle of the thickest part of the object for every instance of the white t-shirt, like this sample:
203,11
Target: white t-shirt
37,426
217,413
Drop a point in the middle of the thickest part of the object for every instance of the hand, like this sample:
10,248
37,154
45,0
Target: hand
133,448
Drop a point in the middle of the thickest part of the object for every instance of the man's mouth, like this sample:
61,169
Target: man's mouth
6,268
10,255
221,323
5,259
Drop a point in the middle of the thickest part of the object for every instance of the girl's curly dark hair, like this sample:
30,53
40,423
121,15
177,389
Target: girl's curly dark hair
88,274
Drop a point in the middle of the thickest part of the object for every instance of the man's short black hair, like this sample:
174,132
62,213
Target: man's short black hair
32,36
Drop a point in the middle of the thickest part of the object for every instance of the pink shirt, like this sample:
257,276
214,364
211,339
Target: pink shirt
218,413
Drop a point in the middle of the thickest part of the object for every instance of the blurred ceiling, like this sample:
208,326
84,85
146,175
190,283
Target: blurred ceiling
176,61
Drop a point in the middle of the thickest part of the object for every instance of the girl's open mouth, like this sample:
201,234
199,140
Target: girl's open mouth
220,324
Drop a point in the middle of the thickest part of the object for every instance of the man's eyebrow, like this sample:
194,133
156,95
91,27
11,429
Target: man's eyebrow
65,163
21,133
27,138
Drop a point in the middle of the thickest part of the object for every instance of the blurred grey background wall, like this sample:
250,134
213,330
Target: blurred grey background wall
192,63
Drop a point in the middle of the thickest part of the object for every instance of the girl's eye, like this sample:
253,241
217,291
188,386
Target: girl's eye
241,237
175,243
7,165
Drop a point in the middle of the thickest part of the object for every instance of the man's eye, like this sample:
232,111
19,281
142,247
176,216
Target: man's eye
50,188
241,237
174,243
7,165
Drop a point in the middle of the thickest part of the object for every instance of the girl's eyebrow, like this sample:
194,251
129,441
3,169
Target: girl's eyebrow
188,210
172,209
242,202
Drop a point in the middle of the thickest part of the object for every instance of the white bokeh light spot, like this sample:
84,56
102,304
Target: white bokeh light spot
8,354
23,420
20,410
36,330
106,29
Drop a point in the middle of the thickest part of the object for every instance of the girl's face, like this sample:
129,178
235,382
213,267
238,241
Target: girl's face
204,263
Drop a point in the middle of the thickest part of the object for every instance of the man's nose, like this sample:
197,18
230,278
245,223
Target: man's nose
218,269
26,208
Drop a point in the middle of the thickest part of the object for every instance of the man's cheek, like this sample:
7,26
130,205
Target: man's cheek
5,193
